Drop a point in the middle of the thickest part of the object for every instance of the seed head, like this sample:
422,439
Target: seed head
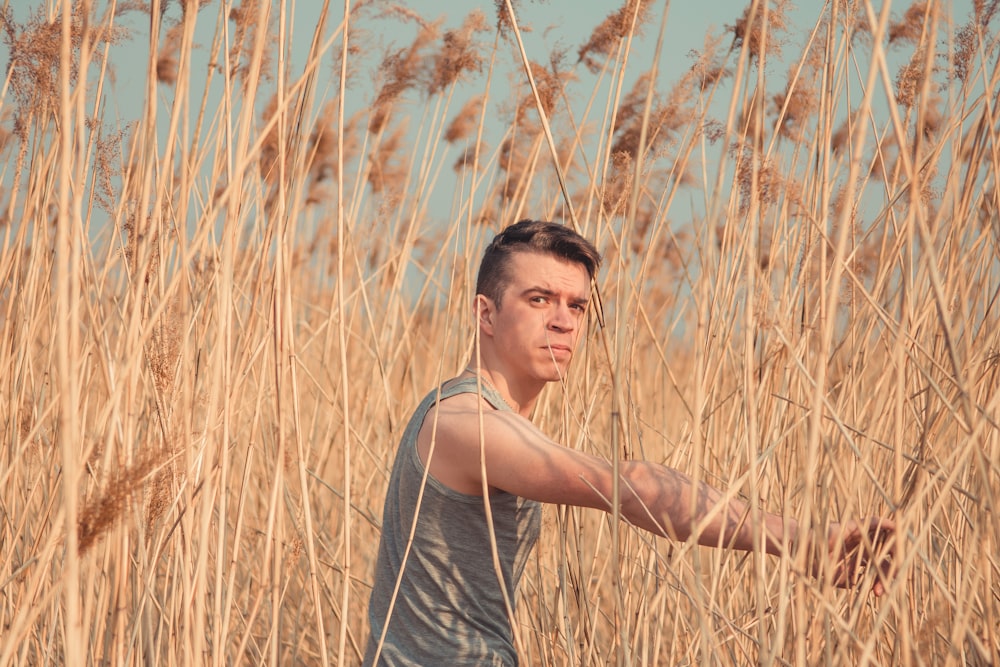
248,20
910,28
761,39
34,49
459,54
403,70
910,79
388,172
618,25
166,60
465,120
795,107
99,513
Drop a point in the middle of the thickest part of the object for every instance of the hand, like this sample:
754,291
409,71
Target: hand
853,546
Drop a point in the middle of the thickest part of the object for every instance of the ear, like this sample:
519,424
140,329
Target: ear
485,311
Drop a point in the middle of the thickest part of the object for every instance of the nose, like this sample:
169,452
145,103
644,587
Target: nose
562,319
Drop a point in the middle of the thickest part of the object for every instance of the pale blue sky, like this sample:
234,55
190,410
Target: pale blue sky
564,24
553,24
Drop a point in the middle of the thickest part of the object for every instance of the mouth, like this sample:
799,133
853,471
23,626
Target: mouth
559,352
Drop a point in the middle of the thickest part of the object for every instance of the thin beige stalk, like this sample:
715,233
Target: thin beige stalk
67,344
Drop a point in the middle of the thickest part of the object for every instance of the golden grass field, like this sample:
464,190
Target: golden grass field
216,318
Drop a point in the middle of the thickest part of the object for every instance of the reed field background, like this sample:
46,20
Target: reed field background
224,287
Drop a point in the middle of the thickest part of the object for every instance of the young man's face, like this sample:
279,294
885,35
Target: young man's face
537,325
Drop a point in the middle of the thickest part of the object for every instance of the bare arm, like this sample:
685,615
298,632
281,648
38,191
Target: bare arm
516,457
668,502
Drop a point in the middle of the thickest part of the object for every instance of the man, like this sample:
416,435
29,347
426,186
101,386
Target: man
474,471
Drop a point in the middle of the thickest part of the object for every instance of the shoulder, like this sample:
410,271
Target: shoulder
464,439
463,433
467,420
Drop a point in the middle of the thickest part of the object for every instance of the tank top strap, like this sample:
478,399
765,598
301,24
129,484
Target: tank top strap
471,386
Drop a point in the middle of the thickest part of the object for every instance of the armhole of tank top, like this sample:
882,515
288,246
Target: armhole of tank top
414,450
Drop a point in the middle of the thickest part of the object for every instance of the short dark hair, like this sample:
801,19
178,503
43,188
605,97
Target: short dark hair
531,236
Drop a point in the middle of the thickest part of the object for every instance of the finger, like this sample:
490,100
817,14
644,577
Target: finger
880,531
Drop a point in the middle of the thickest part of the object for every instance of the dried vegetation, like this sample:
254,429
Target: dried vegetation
220,303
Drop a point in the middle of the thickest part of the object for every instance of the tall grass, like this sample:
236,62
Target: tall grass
217,317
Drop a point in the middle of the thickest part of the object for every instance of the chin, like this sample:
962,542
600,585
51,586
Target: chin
555,374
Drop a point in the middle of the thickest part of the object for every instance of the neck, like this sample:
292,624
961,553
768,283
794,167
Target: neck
520,399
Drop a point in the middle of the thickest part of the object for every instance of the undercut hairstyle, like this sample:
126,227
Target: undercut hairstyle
549,238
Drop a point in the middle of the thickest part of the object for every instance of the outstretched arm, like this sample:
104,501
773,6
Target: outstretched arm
516,457
669,503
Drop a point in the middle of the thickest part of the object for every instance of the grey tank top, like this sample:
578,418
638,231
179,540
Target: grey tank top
449,609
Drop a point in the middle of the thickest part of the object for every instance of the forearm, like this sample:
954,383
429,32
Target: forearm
669,503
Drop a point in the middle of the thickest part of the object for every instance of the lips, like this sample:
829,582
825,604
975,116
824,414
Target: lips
559,351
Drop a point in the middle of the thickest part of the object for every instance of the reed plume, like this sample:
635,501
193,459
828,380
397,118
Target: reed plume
627,20
760,29
402,70
105,508
465,120
459,54
910,28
